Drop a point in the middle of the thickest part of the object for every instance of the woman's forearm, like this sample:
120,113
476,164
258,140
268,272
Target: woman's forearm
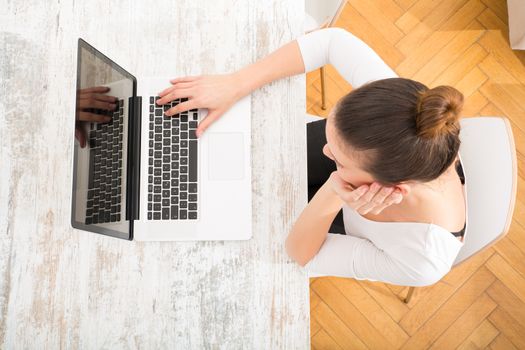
283,62
309,231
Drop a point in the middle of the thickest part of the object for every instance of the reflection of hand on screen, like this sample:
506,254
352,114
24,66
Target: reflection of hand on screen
93,106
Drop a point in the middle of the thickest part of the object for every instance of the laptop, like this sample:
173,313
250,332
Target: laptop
138,174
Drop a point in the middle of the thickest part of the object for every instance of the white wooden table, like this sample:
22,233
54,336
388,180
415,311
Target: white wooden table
63,288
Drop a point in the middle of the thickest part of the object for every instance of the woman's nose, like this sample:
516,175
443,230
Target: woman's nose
327,152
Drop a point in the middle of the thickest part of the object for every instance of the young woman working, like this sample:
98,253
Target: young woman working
387,156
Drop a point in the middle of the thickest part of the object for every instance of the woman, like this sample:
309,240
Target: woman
393,166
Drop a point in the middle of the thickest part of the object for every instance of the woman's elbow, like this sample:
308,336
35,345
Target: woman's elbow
295,254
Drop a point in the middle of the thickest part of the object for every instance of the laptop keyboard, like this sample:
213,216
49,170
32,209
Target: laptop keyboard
172,163
105,168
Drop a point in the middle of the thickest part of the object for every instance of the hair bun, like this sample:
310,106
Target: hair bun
438,112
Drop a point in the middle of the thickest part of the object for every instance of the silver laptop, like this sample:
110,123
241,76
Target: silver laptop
138,174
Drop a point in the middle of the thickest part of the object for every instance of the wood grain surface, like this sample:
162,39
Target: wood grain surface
63,288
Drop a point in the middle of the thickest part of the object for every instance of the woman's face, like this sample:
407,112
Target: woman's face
346,160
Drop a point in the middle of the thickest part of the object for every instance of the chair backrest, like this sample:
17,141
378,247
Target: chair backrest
322,13
488,155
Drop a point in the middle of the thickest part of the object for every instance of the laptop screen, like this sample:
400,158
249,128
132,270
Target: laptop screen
100,176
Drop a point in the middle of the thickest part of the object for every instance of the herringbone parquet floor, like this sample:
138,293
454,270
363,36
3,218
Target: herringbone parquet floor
480,304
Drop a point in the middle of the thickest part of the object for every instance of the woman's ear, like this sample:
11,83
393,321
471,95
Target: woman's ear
404,188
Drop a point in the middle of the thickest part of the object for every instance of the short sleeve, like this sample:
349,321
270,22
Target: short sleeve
353,59
359,258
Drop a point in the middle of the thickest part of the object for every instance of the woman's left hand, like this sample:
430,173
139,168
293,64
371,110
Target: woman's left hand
374,198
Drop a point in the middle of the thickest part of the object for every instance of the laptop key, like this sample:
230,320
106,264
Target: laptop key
156,216
174,212
183,214
192,167
165,213
192,215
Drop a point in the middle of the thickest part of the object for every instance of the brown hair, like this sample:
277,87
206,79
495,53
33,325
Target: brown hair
409,132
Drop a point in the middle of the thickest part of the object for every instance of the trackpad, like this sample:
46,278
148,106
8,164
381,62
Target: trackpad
226,156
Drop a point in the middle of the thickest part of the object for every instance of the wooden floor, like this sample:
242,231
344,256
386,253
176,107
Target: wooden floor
481,304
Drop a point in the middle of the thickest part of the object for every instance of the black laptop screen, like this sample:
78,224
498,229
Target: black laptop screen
101,144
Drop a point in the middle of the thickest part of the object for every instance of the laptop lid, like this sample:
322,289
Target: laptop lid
104,149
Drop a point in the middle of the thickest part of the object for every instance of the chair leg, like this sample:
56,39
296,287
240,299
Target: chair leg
323,90
409,295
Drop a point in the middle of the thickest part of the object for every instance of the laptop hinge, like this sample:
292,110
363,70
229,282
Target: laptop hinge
133,173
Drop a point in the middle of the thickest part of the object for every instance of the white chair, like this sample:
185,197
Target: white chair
488,156
322,14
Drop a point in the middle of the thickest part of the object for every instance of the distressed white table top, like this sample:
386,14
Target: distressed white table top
63,288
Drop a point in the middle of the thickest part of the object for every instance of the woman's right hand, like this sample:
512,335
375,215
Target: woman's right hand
217,93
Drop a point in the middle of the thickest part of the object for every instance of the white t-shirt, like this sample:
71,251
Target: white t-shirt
402,253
